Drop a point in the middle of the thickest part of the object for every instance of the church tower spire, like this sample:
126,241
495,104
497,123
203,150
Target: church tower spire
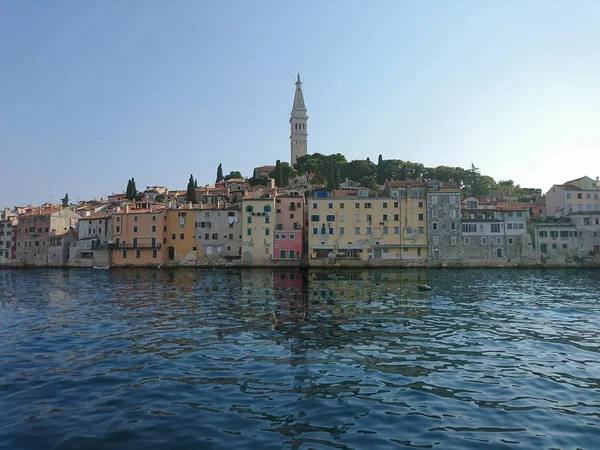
298,119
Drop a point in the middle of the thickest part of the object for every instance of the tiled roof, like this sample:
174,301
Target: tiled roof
40,212
513,206
98,215
158,209
403,183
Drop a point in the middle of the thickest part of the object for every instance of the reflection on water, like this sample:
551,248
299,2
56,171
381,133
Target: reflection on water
271,359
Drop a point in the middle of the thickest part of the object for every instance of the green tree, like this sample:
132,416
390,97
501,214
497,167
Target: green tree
282,173
369,182
190,195
65,200
233,174
357,169
131,192
380,172
159,198
219,173
256,181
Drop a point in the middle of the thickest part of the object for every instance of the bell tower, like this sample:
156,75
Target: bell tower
298,119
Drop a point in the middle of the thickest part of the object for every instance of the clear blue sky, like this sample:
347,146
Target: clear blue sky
93,93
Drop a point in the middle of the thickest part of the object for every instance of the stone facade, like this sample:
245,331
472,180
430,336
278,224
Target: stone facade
8,226
258,226
443,222
94,233
36,233
219,231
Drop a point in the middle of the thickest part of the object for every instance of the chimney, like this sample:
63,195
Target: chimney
170,204
127,209
190,205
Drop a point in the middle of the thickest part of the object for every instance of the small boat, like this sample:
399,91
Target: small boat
101,267
423,287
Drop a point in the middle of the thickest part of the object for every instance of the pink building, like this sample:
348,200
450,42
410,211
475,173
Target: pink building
289,220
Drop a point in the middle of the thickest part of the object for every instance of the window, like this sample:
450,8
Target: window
453,202
118,218
231,236
154,228
434,199
498,240
469,228
369,230
396,204
341,205
385,204
277,236
291,216
173,236
495,228
357,205
314,205
436,240
124,254
367,204
385,217
434,225
315,218
369,218
568,195
165,228
453,214
408,230
421,230
331,206
509,226
248,232
434,213
543,234
564,245
330,230
342,230
357,217
267,232
248,209
420,204
292,235
330,218
315,231
484,240
341,218
357,230
396,217
385,230
249,219
267,220
118,229
452,238
135,218
181,236
207,236
164,240
267,208
135,228
467,240
154,218
138,254
420,216
154,254
511,240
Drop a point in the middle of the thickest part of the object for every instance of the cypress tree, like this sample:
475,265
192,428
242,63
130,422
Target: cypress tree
219,173
190,195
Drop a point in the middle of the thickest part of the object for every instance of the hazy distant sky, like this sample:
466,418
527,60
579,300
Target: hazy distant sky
95,92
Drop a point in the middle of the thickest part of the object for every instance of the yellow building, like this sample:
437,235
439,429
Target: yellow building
258,226
362,227
180,234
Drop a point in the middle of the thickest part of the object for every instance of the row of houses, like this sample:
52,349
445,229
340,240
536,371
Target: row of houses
403,223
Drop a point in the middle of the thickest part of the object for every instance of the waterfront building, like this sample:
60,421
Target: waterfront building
219,230
94,234
180,234
363,228
41,232
139,236
289,226
443,222
8,224
258,225
579,195
298,122
561,240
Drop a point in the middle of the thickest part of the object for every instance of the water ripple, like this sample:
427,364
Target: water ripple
271,359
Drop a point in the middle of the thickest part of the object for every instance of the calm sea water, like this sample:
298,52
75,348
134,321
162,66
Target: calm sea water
259,359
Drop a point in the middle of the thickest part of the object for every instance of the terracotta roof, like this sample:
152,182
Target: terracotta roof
40,212
235,180
513,206
342,193
585,213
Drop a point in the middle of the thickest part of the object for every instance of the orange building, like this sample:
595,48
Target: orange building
180,237
139,236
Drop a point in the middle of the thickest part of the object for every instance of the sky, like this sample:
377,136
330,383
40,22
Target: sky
94,93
